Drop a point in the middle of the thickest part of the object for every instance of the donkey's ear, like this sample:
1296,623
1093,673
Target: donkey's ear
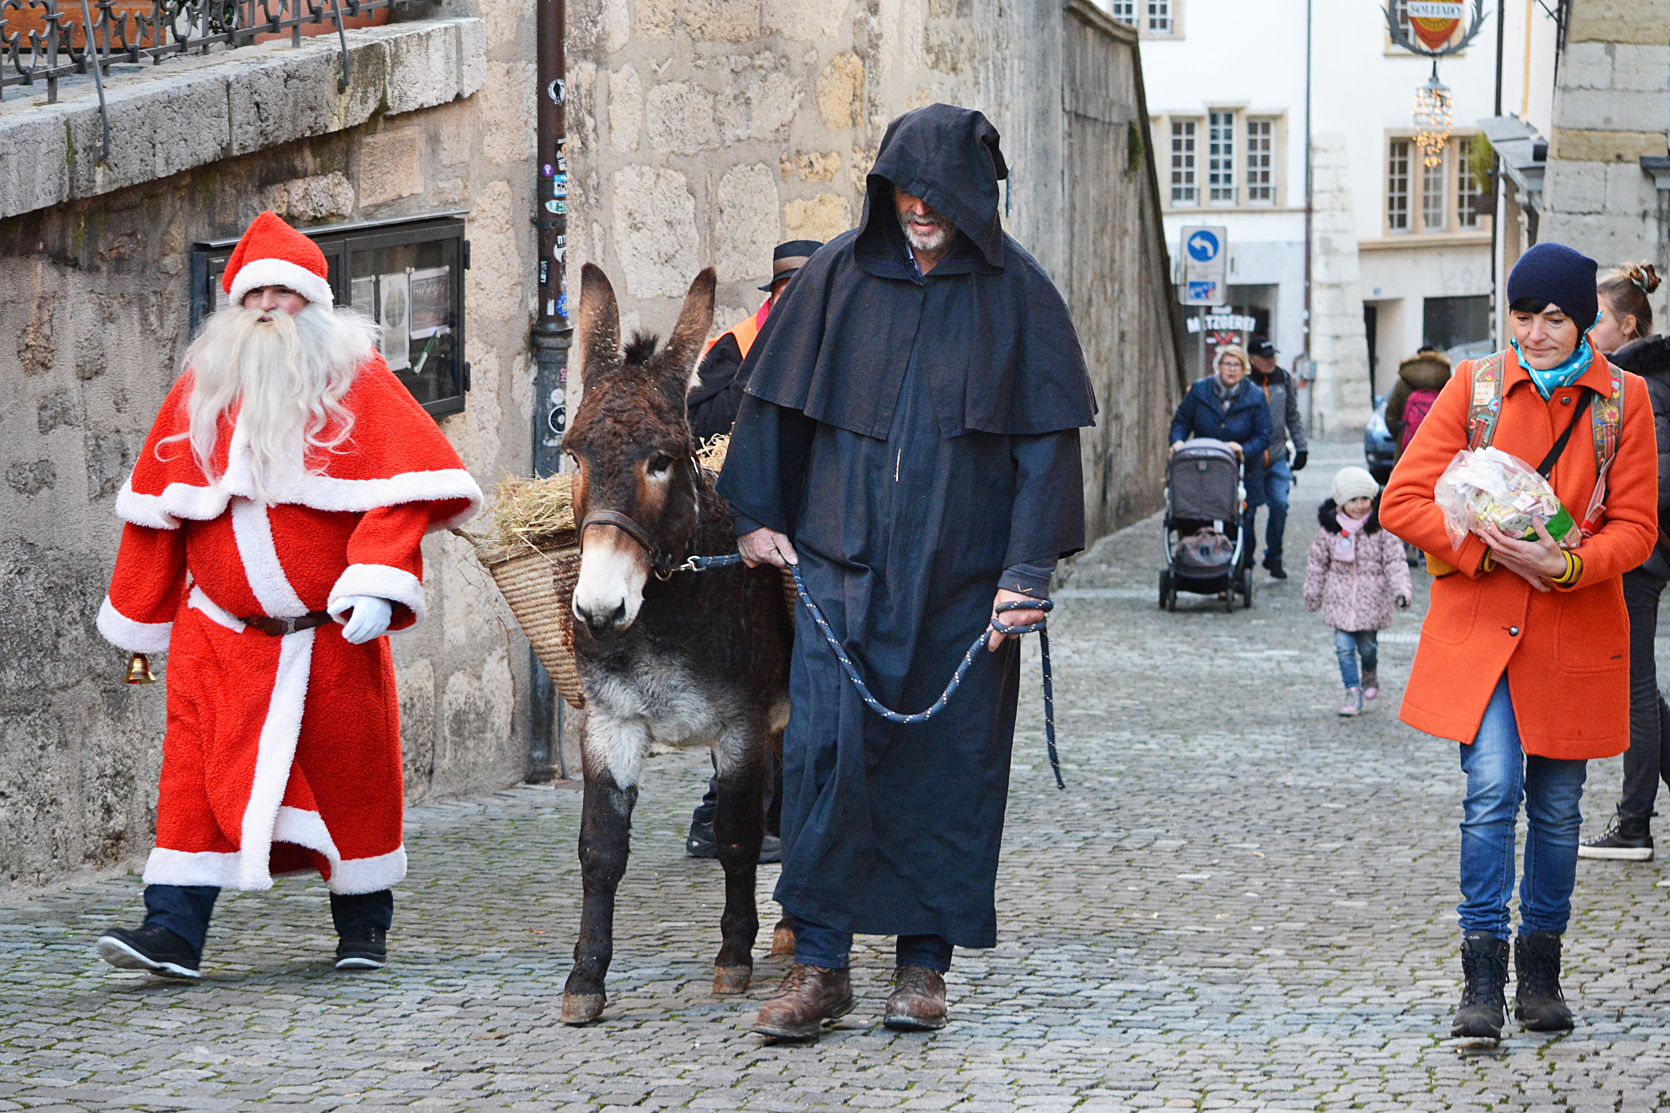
694,321
597,329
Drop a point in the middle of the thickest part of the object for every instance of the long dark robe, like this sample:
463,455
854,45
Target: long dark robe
904,526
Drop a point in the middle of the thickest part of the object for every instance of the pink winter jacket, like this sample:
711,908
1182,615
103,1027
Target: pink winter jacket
1357,595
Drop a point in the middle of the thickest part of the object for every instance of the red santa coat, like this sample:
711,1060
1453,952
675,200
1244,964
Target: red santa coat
281,753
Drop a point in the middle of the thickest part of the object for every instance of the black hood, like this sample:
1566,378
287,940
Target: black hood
949,157
1649,356
1327,515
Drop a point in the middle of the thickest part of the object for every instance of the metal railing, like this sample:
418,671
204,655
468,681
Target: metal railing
45,40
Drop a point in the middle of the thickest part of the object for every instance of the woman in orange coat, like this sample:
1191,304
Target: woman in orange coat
1524,655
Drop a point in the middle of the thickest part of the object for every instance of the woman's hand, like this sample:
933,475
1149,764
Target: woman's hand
1536,561
1235,447
1175,445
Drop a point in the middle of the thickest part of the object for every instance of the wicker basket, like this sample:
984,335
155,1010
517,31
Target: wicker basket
539,587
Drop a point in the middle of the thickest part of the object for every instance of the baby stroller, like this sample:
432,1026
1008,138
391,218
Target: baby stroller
1205,495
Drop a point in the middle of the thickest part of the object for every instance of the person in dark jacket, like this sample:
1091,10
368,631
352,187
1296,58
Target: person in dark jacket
1227,407
713,400
1630,835
1427,369
909,438
1285,425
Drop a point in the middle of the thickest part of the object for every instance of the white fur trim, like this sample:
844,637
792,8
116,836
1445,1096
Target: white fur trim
394,584
214,611
305,828
177,501
254,534
368,875
135,637
274,754
183,867
280,272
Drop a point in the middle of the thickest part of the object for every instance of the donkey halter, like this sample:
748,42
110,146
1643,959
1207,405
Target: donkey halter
662,563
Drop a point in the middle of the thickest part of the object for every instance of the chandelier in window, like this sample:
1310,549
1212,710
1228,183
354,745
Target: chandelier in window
1432,118
1433,29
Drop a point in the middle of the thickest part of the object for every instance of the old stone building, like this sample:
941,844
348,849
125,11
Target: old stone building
700,132
704,133
97,282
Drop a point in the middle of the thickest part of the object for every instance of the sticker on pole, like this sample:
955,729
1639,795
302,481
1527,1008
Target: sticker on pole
1205,255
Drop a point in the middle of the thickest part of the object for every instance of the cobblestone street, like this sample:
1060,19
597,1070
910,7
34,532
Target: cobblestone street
1240,901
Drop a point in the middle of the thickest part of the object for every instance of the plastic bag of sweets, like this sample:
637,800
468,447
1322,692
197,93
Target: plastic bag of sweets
1493,486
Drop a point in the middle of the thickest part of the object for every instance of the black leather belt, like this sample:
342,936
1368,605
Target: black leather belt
278,627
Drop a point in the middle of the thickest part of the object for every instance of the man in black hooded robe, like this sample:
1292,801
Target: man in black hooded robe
909,437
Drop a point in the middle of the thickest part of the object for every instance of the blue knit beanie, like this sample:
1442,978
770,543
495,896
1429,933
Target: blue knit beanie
1554,273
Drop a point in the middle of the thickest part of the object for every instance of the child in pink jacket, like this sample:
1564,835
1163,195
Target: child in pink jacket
1355,574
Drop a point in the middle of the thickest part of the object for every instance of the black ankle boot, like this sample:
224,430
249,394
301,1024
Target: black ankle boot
1537,1001
1484,965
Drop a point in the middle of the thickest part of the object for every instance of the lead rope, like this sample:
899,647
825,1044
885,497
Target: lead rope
702,564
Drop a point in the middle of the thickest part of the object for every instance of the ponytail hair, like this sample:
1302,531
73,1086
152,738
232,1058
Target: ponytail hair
1626,288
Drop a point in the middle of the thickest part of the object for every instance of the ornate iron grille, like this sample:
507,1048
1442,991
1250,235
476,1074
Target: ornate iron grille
45,40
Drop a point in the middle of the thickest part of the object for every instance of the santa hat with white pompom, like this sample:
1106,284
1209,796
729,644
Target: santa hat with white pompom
271,253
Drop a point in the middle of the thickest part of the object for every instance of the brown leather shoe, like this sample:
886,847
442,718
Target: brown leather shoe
809,998
918,1001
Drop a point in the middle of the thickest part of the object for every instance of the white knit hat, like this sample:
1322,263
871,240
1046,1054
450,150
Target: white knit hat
1353,483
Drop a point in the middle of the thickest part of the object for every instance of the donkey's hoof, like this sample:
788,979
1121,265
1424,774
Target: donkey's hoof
782,941
581,1008
731,979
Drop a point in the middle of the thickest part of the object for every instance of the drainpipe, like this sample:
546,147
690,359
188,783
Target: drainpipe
550,341
1310,392
1499,209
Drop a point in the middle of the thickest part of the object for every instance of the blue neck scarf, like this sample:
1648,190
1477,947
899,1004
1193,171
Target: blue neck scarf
1565,374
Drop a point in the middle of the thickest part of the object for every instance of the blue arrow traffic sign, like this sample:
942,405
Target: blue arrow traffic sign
1203,246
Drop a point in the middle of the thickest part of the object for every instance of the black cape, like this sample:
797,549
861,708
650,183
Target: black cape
904,527
1005,357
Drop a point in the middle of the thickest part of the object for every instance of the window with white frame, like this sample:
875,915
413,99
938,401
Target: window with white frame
1397,185
1125,11
1434,187
1220,157
1160,17
1185,187
1261,156
1466,184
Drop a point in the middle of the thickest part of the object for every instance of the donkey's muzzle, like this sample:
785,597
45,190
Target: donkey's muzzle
602,620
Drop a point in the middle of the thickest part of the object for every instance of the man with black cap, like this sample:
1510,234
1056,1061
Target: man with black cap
713,400
909,438
1285,426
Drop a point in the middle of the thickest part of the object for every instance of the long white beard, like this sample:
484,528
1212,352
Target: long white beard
285,377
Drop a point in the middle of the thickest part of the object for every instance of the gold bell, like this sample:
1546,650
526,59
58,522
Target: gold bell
139,670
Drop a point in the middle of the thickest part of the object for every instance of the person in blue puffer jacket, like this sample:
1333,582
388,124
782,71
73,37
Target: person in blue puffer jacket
1226,406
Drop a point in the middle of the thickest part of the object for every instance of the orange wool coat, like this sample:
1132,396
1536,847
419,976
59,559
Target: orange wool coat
1566,652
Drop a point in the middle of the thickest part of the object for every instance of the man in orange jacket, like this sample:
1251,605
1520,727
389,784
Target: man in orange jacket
1524,655
713,400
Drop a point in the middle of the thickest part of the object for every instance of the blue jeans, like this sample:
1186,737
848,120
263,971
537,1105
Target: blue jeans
1277,483
817,945
185,910
1351,644
1499,773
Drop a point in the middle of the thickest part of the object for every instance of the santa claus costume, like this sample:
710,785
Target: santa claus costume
273,530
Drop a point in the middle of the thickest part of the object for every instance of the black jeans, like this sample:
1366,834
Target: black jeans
1649,718
185,910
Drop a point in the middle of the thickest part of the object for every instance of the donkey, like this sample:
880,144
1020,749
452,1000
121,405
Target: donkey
682,658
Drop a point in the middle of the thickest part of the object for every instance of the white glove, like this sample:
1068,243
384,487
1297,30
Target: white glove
369,620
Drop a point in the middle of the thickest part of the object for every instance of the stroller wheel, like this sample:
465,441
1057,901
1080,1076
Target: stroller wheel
1246,589
1167,592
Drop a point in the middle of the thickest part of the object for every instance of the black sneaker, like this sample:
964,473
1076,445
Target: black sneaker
1627,840
1277,572
150,947
362,948
700,843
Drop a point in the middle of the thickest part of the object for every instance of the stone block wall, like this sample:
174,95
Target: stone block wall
1611,108
97,299
703,133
